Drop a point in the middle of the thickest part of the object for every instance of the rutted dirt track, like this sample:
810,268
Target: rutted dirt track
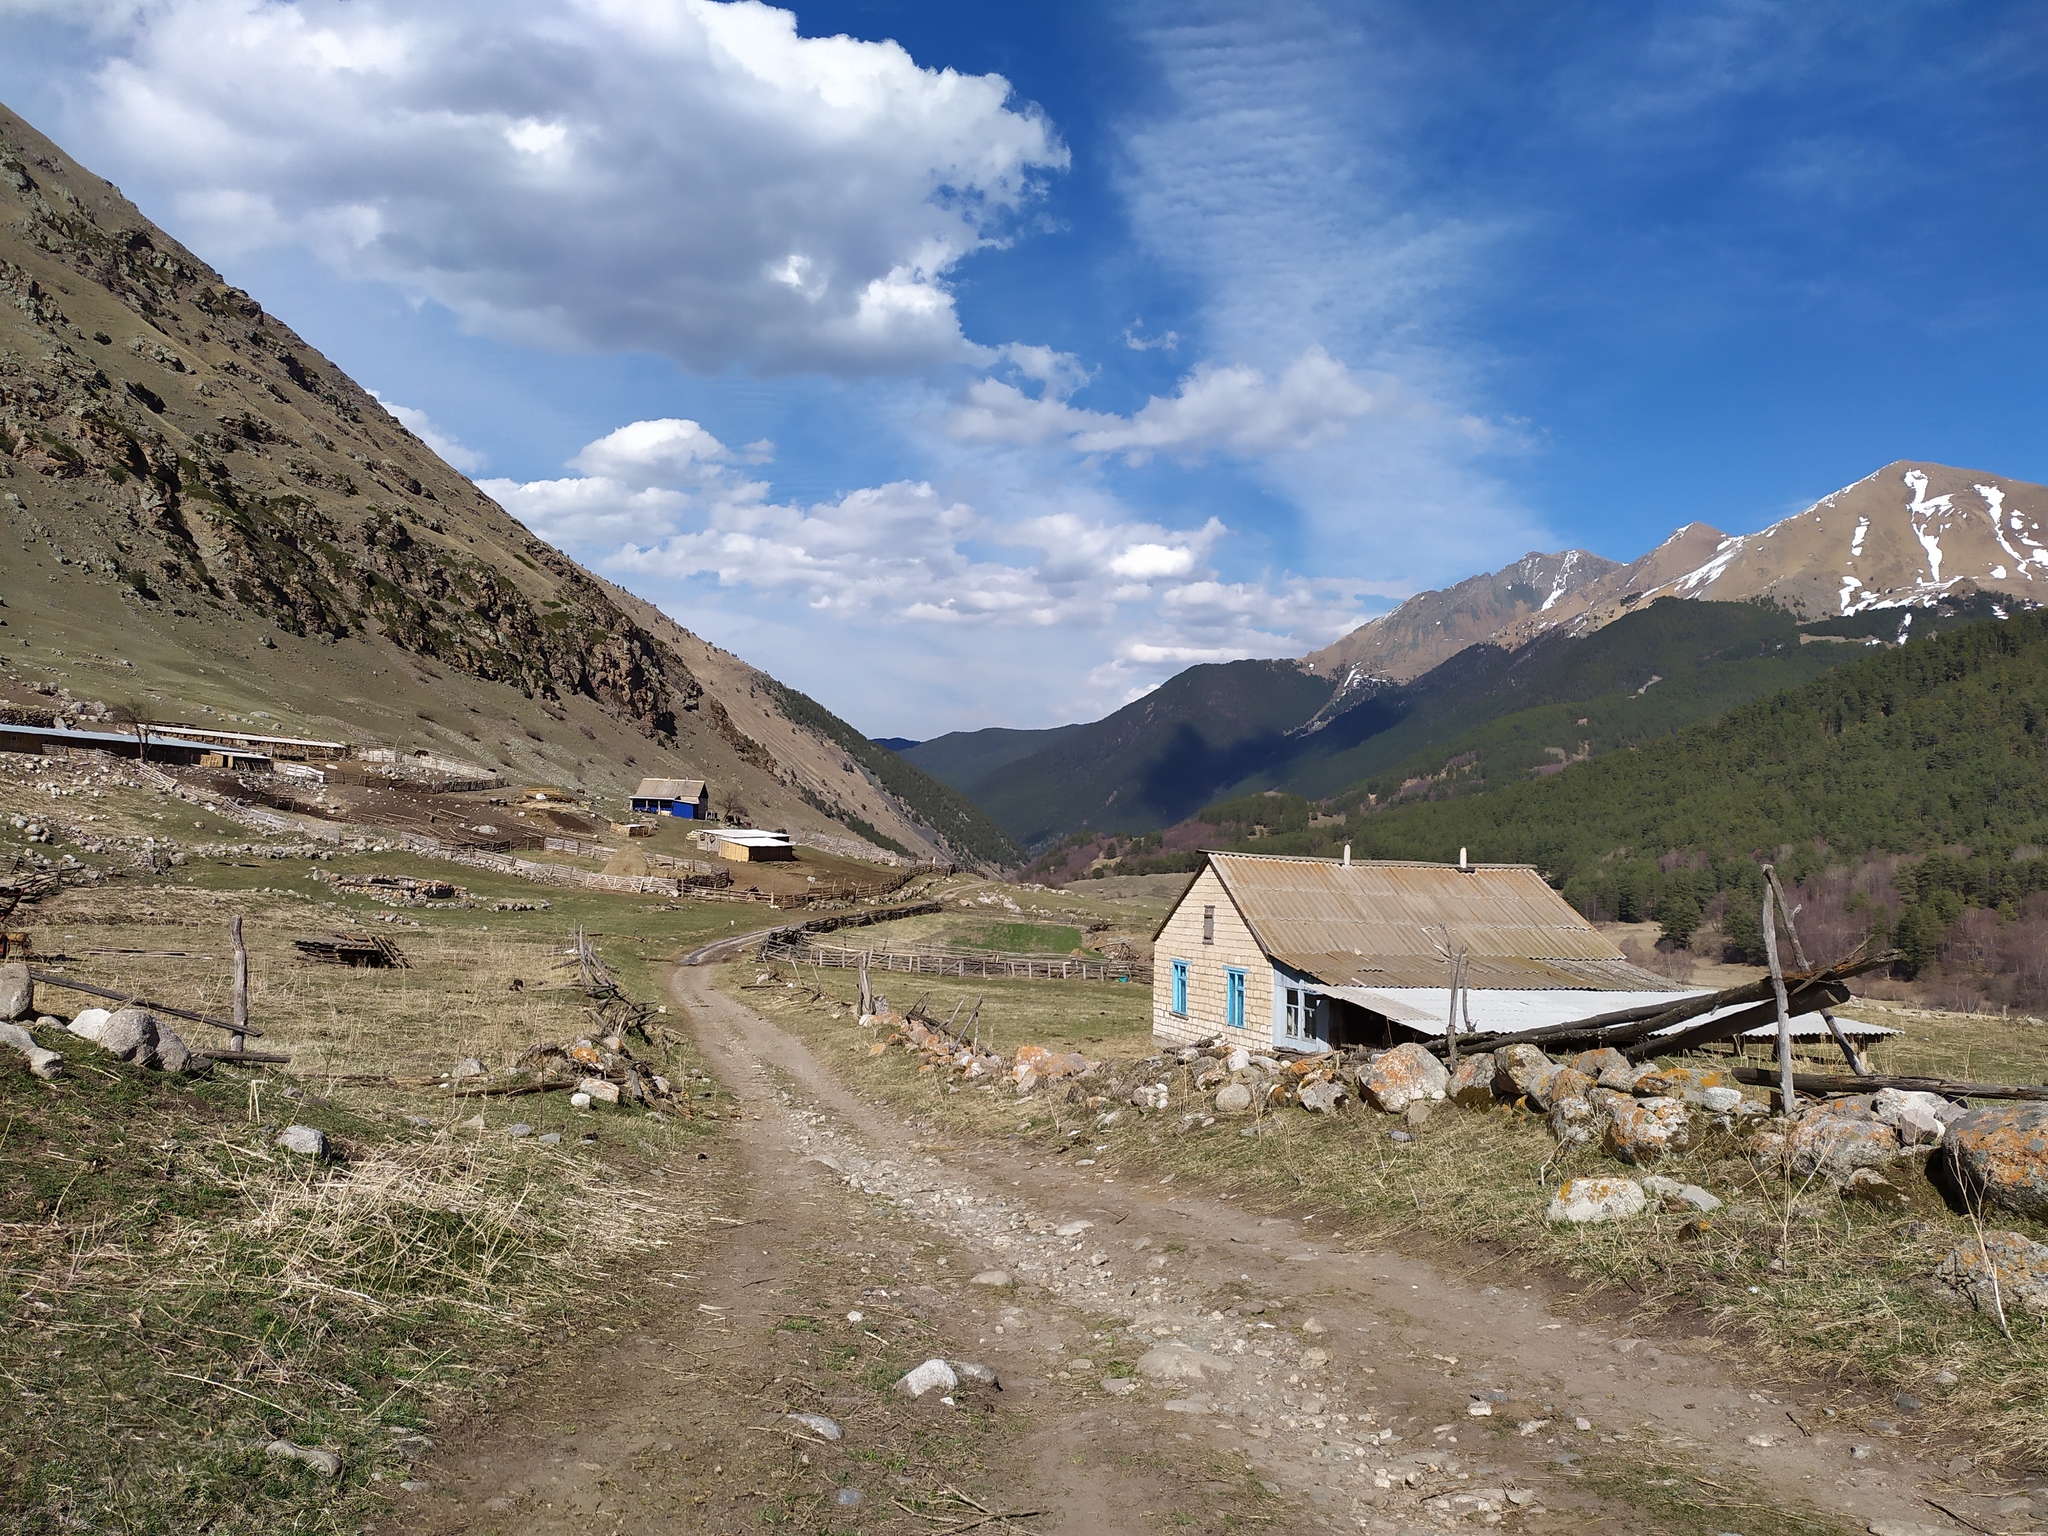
1311,1386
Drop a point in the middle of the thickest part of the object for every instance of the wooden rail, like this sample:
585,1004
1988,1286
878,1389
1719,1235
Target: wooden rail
937,960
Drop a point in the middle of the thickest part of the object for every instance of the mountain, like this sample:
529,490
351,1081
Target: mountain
214,521
1431,627
1550,660
1147,765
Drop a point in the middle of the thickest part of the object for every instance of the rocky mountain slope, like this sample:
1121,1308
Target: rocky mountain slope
213,520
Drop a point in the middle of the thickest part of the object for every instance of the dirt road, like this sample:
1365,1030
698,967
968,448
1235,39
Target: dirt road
1284,1382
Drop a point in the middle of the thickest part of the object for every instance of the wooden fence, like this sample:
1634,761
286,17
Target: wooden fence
940,960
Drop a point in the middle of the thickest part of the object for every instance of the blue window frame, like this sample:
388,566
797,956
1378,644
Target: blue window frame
1233,997
1180,989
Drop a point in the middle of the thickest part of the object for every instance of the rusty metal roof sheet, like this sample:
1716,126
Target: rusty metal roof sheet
1390,924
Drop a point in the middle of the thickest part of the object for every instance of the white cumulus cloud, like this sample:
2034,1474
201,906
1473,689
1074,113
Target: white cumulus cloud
422,426
680,176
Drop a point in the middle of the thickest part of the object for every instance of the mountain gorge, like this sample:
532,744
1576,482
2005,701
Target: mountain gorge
209,518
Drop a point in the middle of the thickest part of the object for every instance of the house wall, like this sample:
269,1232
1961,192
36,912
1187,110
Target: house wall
1181,939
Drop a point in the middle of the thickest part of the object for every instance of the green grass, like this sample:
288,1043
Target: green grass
1026,939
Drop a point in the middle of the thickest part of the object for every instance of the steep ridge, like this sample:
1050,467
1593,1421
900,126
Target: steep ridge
1431,627
214,520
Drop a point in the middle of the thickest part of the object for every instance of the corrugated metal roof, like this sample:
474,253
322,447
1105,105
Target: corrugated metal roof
1507,1010
669,789
1399,924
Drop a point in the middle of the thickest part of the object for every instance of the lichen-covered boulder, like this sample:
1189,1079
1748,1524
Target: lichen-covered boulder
1401,1077
1606,1066
1686,1084
1575,1121
1587,1200
1552,1088
2000,1155
1524,1067
1643,1131
1472,1082
2021,1268
1833,1140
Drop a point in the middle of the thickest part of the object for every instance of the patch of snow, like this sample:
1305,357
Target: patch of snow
1998,573
1856,540
1921,507
1994,498
1713,570
1849,586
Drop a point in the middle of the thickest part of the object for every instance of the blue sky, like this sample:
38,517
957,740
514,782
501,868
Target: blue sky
976,365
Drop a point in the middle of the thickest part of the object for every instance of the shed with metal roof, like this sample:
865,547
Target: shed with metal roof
689,799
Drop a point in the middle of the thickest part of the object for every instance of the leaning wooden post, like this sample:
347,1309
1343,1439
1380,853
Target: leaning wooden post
1855,1057
1785,1095
239,1013
867,996
1451,1022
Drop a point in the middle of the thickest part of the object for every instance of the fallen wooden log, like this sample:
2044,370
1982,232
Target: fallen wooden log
1808,997
1628,1025
130,1000
348,949
248,1058
1824,1083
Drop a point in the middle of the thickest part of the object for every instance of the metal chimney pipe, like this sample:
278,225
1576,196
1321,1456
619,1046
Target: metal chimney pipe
1461,859
1347,855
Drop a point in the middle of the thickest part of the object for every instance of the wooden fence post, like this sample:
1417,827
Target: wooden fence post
1786,1098
1855,1057
239,1013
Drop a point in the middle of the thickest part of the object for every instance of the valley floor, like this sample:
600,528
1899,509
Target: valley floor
1330,1383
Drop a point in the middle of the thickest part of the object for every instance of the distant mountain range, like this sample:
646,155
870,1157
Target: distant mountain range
1508,671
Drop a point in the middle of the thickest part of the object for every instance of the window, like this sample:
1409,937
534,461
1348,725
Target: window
1291,1019
1233,998
1180,989
1208,925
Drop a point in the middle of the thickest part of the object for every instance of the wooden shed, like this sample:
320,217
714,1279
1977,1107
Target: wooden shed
752,846
689,799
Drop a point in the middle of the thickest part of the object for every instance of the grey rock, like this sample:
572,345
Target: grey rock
130,1034
1233,1099
305,1140
519,1129
817,1424
920,1379
996,1278
326,1463
17,992
89,1023
469,1066
1675,1195
983,1375
548,1138
847,1498
172,1053
1321,1096
1177,1362
44,1064
1401,1136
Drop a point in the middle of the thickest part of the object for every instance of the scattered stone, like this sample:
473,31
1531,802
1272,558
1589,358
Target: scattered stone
596,1090
304,1140
172,1053
519,1129
1575,1121
846,1498
326,1463
1233,1099
1472,1083
1644,1130
1552,1088
1676,1196
1318,1097
1870,1185
1177,1362
920,1379
2019,1266
1150,1096
88,1022
817,1424
1946,1378
475,1123
1524,1067
469,1066
1906,1402
1833,1140
1686,1084
44,1064
1119,1386
2001,1155
983,1375
1479,1410
1071,1228
17,992
1908,1528
1589,1200
1400,1077
548,1138
995,1278
1607,1067
131,1035
579,1101
1921,1119
1416,1115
